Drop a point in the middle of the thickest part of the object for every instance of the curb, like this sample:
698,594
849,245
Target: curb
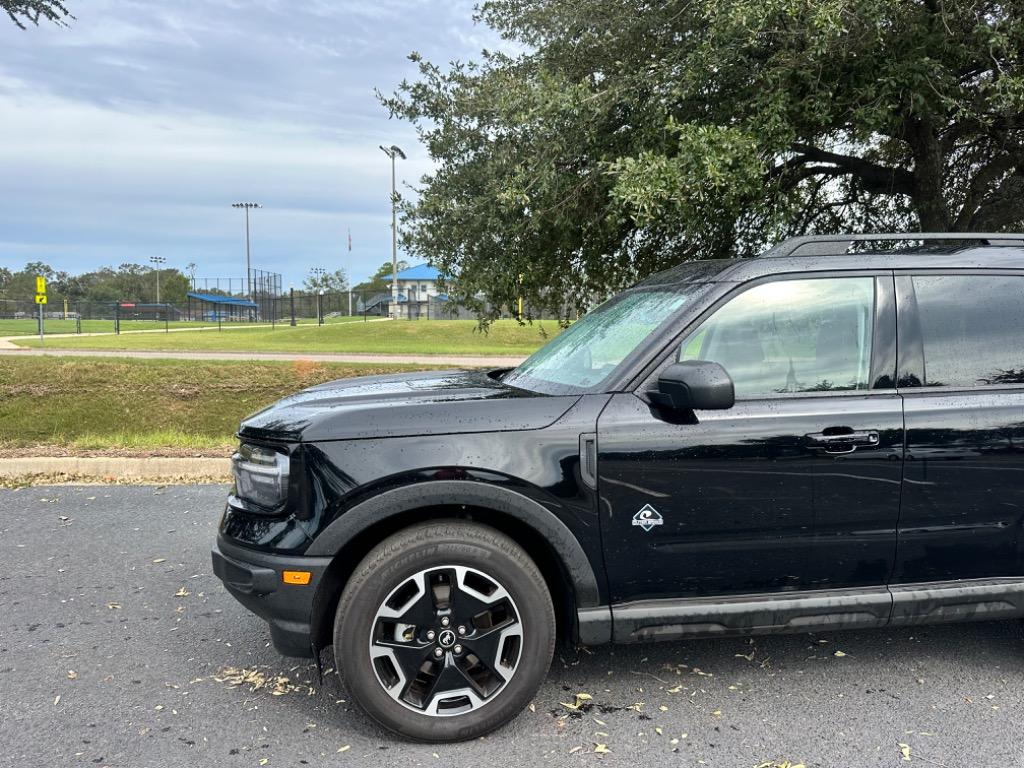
119,469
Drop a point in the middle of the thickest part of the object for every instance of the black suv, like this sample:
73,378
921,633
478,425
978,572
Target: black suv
830,435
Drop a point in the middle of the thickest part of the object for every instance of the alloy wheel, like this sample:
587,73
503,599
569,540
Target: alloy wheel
446,641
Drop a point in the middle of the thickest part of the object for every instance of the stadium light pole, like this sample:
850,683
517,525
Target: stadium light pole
157,260
248,262
393,152
318,285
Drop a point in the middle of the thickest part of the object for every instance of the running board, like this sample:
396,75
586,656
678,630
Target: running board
948,601
936,602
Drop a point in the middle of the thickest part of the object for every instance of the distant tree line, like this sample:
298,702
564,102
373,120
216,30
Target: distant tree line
137,283
129,282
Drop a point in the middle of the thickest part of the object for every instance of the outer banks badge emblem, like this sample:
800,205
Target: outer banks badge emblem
647,518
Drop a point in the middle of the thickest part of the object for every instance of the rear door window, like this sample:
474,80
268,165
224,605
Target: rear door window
972,327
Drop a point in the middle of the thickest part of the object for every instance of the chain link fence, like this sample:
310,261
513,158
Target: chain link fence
60,315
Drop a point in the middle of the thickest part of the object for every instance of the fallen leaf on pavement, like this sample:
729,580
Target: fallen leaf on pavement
581,699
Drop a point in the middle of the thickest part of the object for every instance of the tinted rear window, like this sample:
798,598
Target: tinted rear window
973,329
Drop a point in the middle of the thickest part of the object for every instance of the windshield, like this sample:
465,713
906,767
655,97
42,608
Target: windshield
584,356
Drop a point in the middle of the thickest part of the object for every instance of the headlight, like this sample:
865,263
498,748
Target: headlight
261,476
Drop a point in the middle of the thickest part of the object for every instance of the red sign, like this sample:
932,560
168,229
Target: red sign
127,306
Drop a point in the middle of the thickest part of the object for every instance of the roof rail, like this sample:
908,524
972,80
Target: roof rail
830,245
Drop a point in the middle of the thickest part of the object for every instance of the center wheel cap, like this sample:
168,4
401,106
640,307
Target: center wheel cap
446,638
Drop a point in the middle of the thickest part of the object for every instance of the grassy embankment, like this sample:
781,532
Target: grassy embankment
138,406
424,337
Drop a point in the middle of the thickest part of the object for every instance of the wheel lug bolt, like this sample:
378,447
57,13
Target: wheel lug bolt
431,635
445,621
457,650
439,652
462,629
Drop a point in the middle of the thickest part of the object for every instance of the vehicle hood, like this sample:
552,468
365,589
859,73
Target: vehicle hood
397,405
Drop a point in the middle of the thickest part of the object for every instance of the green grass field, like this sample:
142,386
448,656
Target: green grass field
426,337
99,403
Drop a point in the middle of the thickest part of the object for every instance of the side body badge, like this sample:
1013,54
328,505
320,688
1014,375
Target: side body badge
647,518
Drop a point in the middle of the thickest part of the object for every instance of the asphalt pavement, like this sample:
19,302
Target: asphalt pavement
118,647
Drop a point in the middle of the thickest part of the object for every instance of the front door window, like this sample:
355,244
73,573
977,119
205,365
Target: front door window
791,336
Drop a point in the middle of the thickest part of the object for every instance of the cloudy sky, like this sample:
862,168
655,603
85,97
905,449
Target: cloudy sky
130,133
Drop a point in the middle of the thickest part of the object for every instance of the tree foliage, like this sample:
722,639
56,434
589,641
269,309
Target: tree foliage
329,282
23,12
129,282
380,281
631,135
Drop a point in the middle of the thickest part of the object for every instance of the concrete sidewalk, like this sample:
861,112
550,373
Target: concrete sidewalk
108,469
453,361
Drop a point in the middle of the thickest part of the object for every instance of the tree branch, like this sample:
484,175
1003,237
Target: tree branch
987,175
33,10
874,177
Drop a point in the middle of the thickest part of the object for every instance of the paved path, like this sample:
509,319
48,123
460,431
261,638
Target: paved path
455,361
114,633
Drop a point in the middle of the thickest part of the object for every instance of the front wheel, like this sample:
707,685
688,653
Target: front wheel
445,631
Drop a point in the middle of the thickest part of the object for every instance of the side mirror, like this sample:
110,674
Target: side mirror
694,385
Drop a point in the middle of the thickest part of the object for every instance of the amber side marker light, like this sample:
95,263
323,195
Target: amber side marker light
296,577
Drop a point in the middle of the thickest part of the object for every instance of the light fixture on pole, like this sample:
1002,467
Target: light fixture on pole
158,261
393,152
317,274
248,262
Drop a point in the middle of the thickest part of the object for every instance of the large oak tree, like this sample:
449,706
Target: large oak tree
629,135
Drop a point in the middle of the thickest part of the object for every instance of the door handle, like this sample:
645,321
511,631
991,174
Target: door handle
839,440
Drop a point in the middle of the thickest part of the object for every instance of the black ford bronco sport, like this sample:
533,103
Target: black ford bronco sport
830,435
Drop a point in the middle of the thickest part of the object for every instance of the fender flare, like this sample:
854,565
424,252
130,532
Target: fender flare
504,500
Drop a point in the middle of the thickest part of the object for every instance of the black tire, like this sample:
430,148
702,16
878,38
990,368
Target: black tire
392,565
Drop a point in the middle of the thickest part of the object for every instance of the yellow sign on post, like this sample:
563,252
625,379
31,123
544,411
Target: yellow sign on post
40,300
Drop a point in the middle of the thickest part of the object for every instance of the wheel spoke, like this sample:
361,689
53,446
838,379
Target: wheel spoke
448,682
410,603
498,648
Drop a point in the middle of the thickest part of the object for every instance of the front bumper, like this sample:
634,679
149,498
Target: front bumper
254,579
